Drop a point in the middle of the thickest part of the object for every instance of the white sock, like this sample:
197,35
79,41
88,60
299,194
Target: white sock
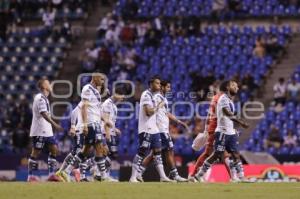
159,166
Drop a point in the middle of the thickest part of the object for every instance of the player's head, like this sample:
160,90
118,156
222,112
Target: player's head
118,94
44,85
223,86
165,86
232,87
98,79
154,83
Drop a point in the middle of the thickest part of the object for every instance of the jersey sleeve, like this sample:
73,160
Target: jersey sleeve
86,93
146,100
106,108
74,115
224,103
157,99
42,105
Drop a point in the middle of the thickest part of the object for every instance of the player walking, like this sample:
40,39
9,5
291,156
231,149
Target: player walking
225,134
149,135
41,132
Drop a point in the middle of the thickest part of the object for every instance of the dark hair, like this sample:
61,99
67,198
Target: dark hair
164,82
119,90
281,79
40,82
153,78
223,86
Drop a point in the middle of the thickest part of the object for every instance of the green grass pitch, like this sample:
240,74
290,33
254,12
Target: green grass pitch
148,191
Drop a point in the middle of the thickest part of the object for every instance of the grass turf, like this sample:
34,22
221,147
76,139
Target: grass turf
148,191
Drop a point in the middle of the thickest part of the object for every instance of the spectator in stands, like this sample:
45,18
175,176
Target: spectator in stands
130,10
248,82
127,34
259,49
218,9
104,61
49,19
112,36
104,24
290,140
273,139
280,92
66,30
142,28
293,90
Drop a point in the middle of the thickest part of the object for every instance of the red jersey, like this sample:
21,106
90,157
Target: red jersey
211,121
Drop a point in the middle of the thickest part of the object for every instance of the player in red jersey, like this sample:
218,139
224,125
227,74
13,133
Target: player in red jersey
210,126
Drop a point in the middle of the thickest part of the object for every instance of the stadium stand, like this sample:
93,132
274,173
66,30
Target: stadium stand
207,8
278,133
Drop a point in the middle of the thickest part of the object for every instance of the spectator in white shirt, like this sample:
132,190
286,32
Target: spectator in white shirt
293,90
280,92
112,36
104,24
49,18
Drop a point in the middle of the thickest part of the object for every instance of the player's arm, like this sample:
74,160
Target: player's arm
48,118
107,125
118,131
84,107
151,110
231,115
174,119
74,115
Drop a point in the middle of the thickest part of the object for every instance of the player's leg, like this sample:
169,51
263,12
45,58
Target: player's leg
101,151
209,148
146,162
236,163
156,146
218,153
112,154
77,146
228,165
144,146
38,144
52,162
167,150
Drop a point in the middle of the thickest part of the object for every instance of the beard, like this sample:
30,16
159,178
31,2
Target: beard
232,93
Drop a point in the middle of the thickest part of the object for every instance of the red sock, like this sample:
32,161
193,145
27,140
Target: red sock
199,163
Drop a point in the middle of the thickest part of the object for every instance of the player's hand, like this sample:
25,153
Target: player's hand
161,104
72,132
85,130
245,125
108,137
184,125
108,124
58,128
118,132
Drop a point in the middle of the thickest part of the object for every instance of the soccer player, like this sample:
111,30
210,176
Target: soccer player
91,120
163,120
109,113
76,133
41,132
210,127
149,135
225,134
